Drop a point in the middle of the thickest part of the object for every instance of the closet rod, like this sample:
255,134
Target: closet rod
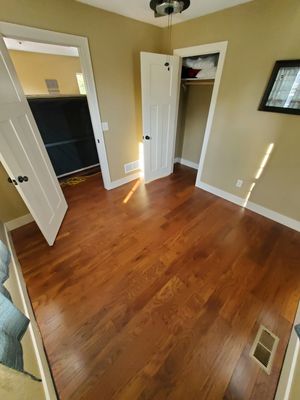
198,82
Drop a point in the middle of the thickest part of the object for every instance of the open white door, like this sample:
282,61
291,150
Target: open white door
160,94
23,154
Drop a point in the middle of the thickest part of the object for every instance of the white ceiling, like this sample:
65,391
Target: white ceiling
140,9
24,45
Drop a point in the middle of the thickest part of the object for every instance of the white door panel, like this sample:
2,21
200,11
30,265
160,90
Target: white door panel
160,92
22,153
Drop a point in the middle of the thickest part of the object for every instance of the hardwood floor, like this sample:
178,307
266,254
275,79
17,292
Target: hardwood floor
157,292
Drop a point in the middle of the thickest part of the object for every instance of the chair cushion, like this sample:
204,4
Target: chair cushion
11,353
5,292
12,321
4,262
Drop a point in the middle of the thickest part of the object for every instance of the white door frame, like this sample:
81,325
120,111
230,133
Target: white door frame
210,48
43,36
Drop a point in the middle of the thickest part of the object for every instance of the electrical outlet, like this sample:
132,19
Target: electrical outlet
105,126
239,183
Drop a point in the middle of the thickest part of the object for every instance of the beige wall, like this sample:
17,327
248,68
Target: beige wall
34,68
258,34
11,204
194,107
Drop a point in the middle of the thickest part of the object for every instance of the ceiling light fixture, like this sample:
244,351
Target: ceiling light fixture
162,8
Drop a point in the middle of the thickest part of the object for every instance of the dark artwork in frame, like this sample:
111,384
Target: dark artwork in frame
282,93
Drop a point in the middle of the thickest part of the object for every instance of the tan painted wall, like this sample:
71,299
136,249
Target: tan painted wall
194,103
11,204
258,34
34,68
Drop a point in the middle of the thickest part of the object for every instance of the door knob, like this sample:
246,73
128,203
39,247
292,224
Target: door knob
12,181
23,179
147,137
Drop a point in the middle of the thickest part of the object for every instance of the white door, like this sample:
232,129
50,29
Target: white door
160,94
23,154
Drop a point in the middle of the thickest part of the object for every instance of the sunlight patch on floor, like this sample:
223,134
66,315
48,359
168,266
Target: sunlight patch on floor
134,188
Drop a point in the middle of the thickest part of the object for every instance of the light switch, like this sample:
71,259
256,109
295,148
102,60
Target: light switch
105,126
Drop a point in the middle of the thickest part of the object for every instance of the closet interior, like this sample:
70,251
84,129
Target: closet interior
65,125
197,82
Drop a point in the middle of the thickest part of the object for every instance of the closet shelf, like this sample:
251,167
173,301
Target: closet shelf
197,81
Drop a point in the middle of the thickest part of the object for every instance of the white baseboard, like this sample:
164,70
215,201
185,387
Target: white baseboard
123,181
289,364
78,170
16,223
266,212
275,216
221,193
185,162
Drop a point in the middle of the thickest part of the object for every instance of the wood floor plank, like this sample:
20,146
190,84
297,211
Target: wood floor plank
157,292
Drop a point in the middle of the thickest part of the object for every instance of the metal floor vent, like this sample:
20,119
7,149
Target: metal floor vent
264,348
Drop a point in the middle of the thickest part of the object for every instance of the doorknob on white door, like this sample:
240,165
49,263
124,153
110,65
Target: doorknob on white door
20,179
146,137
12,181
23,179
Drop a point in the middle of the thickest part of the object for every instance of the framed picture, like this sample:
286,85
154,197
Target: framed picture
283,90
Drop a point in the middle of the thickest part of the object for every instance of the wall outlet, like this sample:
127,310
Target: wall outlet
105,126
239,183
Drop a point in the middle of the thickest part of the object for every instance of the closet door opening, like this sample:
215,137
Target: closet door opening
197,83
200,80
52,81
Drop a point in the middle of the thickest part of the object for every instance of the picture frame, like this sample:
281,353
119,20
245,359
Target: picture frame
282,93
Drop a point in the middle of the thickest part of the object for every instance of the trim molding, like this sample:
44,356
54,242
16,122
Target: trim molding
265,212
275,216
289,364
187,163
17,222
78,170
221,193
123,181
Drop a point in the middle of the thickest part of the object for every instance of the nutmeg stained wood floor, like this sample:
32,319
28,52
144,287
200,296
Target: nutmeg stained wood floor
157,292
